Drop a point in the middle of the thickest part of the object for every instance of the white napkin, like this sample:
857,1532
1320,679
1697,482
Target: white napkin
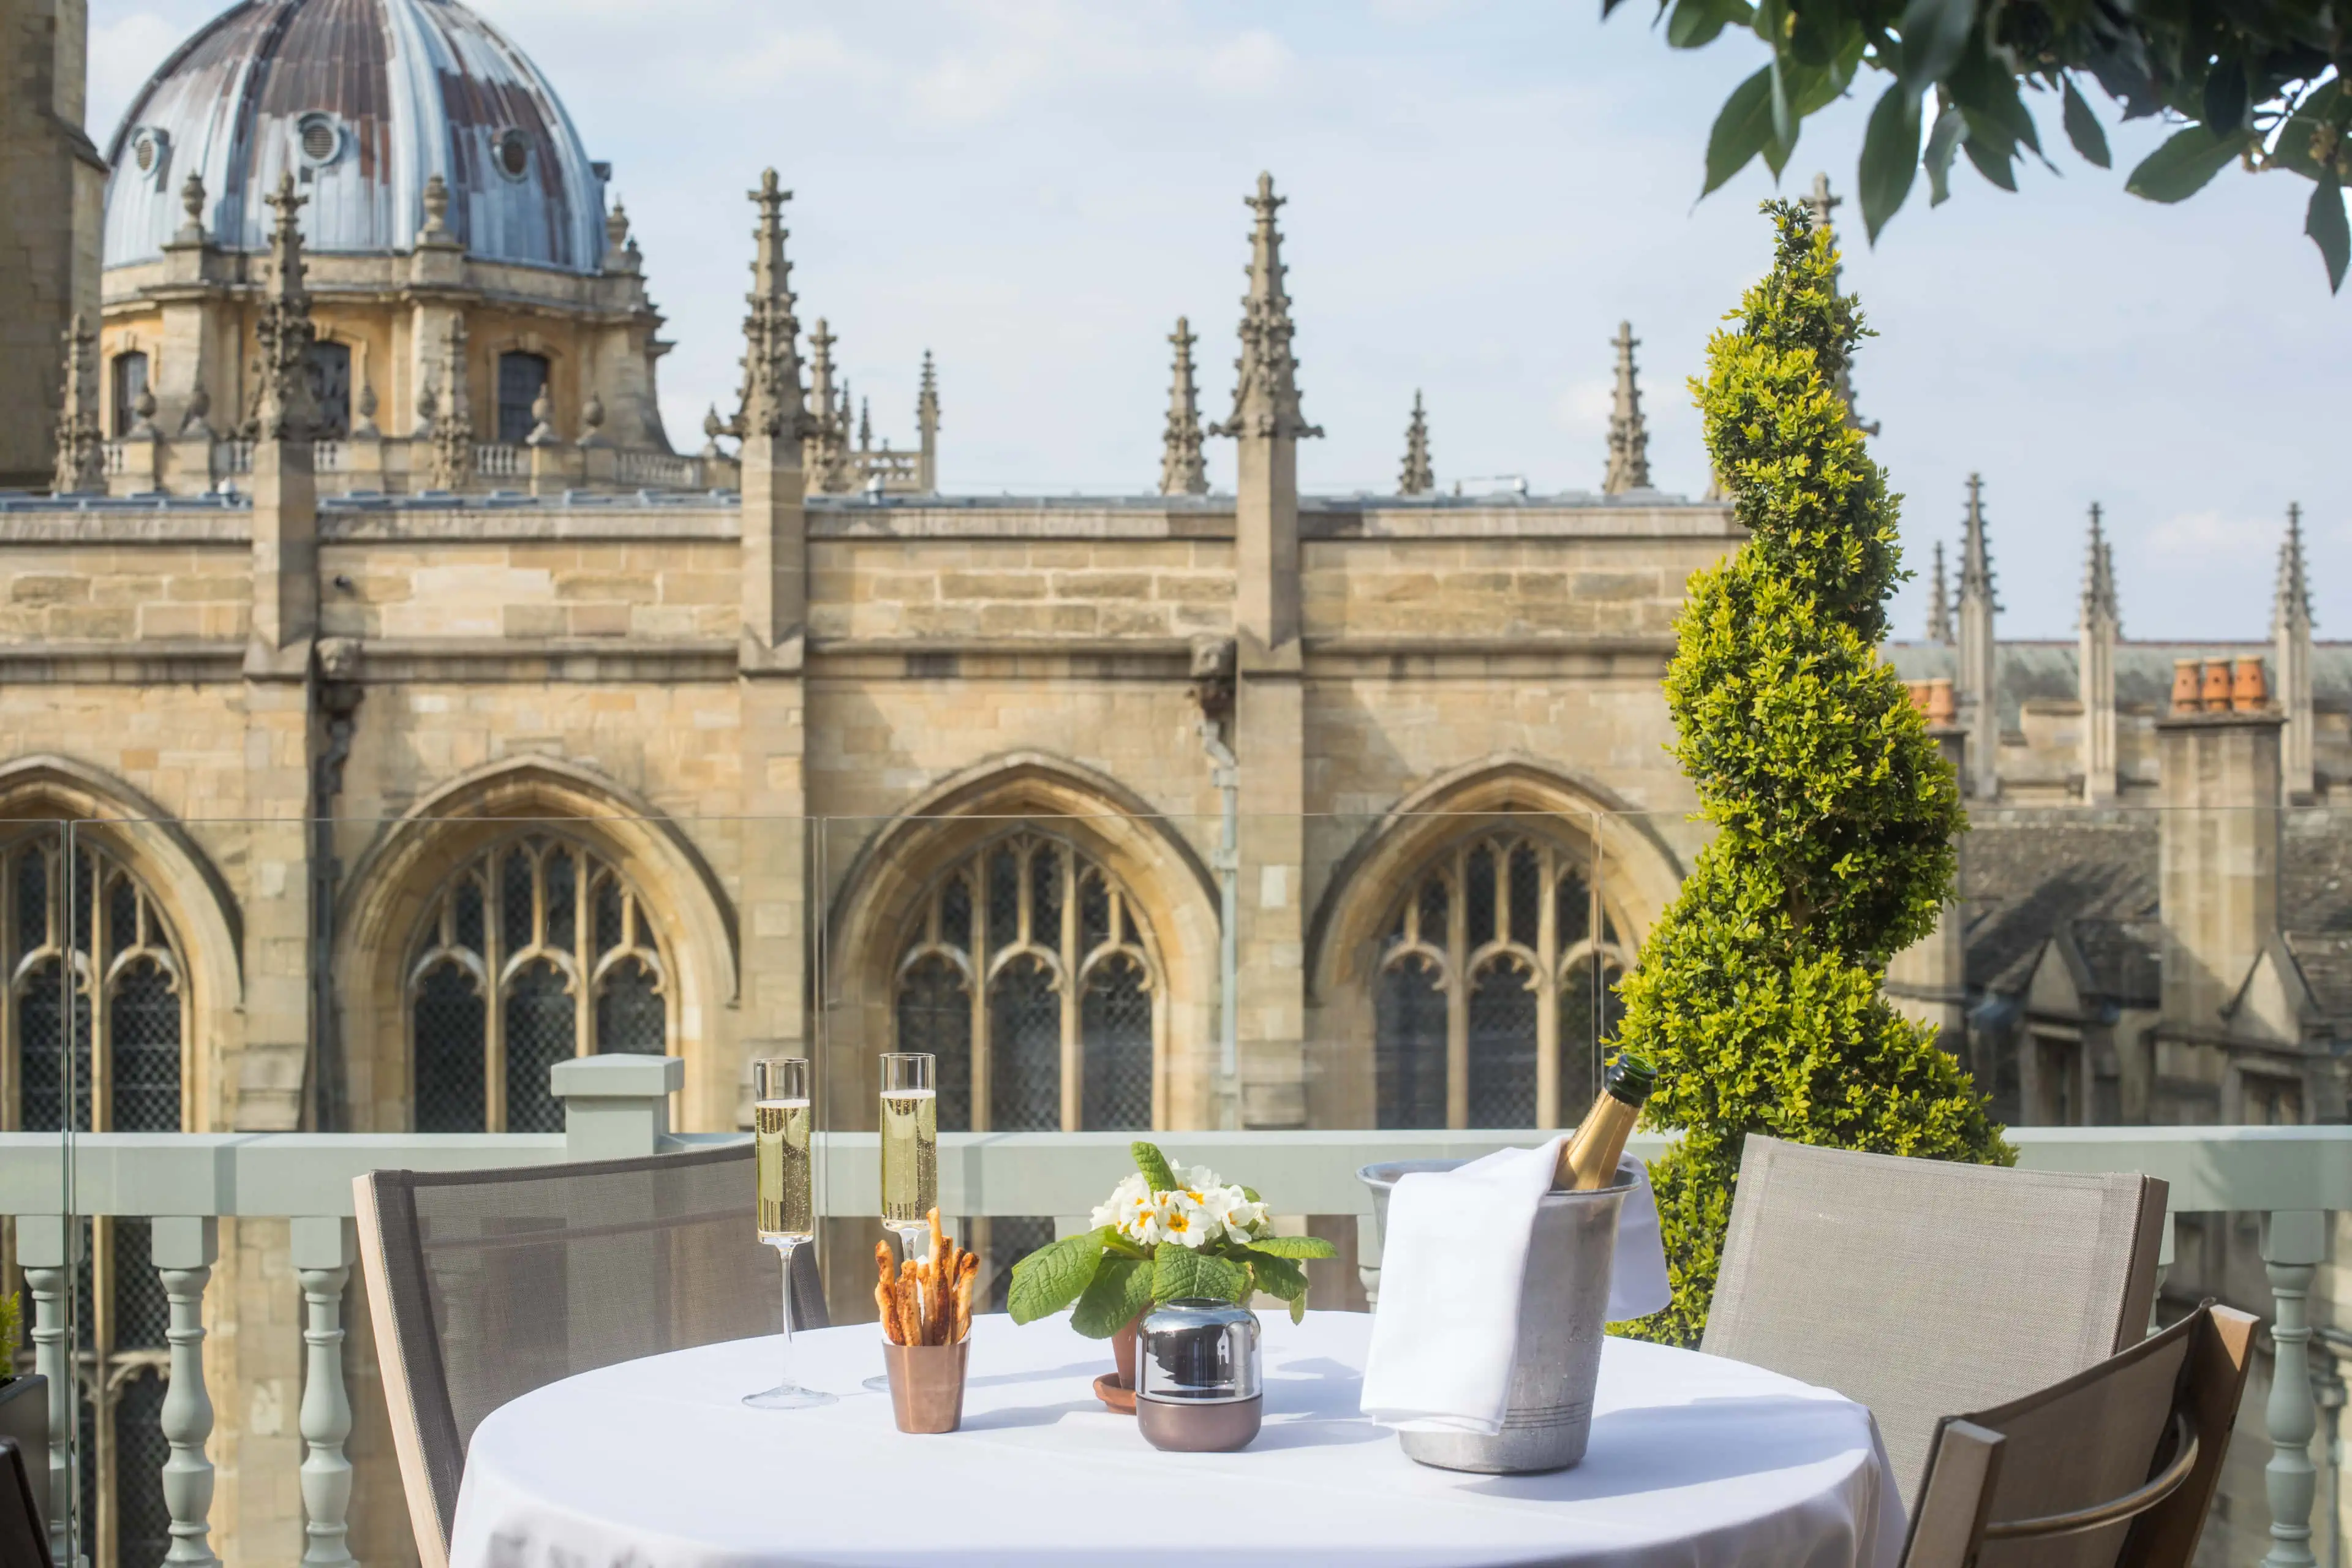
1454,1254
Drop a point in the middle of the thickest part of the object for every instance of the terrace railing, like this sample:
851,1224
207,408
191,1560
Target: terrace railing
617,1105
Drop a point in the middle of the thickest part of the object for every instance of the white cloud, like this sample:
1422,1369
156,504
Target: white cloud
1248,65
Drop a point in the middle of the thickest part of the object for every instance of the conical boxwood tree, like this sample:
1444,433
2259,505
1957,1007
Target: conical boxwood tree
1757,994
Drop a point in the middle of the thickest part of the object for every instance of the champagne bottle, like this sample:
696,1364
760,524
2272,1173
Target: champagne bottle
1588,1160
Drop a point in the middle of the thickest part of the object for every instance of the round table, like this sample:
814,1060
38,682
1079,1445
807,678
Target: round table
1695,1460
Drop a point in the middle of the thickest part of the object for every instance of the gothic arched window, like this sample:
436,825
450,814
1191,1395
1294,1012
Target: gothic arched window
1028,972
1492,994
536,952
95,979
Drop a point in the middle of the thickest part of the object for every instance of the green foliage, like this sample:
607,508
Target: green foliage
1757,993
2258,84
1109,1279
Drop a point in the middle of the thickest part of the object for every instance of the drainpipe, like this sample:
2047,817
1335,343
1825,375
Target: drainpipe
1212,672
339,697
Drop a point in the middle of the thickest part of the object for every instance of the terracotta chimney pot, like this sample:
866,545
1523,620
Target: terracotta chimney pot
1917,691
2217,686
2249,693
1941,709
2184,686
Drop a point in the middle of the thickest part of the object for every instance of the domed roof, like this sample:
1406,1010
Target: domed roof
364,100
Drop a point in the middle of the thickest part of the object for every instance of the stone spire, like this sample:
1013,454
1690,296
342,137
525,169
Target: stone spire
1182,472
1629,439
1416,479
2290,623
821,448
2097,631
1822,203
453,420
774,402
283,330
1266,397
865,425
926,430
81,453
1939,603
1979,701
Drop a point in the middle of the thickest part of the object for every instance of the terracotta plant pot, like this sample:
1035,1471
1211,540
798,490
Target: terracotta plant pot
1122,1350
927,1386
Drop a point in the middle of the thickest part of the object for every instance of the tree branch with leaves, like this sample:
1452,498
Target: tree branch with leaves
2259,85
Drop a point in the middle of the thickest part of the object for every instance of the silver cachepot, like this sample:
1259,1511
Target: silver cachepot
1563,1309
1197,1386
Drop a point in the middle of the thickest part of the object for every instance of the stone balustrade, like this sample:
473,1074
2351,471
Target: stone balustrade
617,1106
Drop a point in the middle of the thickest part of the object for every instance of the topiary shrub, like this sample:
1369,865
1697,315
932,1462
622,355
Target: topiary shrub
1757,994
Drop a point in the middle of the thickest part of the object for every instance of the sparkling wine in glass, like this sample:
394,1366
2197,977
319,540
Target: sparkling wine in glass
911,1155
780,1124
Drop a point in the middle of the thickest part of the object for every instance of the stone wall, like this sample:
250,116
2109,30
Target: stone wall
51,183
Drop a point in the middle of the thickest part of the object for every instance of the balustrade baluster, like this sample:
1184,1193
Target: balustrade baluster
184,1249
323,1252
41,1253
2294,1244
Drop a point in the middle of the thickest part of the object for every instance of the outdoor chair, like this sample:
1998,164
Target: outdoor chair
2112,1467
24,1542
484,1284
1922,1287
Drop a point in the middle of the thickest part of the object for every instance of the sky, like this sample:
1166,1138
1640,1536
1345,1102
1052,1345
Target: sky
1035,190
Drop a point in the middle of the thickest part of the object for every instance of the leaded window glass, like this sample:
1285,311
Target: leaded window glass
1064,1034
1493,995
536,951
95,980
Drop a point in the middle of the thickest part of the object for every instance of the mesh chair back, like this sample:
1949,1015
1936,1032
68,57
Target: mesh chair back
2137,1440
485,1285
24,1542
1920,1287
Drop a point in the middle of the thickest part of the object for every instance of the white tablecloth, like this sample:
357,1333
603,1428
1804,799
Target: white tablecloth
1695,1461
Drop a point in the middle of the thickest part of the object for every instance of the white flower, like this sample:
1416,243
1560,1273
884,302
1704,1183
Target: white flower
1133,1211
1186,1221
1233,1209
1197,1182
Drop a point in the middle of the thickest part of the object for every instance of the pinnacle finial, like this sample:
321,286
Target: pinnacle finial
436,201
1939,603
1182,471
828,426
81,454
284,330
2099,605
773,401
927,400
192,202
1265,398
865,425
1416,479
1976,555
2291,606
1629,437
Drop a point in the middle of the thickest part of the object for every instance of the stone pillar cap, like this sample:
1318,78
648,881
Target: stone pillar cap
618,1075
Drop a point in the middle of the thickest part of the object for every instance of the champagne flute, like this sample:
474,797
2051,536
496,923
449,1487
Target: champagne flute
781,1122
911,1155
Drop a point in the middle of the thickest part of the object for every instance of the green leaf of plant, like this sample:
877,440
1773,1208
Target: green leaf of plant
1120,1289
1943,141
2183,166
1182,1271
2323,221
1934,34
1279,1276
1053,1276
2225,95
1991,154
1890,156
1695,23
1294,1247
1154,1166
1741,129
2082,128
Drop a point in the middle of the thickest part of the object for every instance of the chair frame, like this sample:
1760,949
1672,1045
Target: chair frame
1952,1524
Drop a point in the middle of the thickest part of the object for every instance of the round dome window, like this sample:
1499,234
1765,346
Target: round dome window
320,139
512,153
151,153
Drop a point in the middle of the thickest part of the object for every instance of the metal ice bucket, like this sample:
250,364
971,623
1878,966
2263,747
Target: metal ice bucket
1563,1308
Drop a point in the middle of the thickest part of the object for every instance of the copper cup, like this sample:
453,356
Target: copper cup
926,1386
